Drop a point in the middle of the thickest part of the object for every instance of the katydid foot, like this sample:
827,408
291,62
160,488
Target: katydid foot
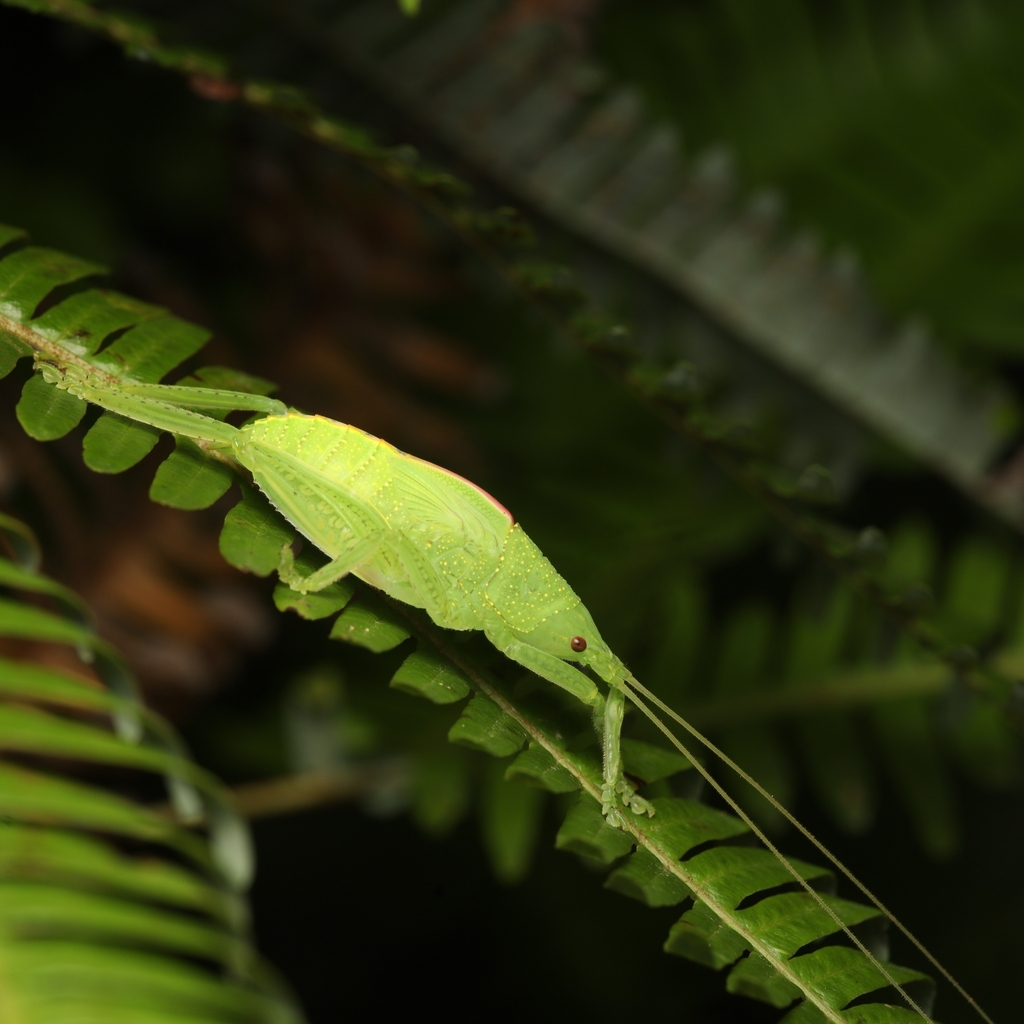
617,790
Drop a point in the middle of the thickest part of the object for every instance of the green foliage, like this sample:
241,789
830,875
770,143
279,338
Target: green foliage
492,722
113,908
826,669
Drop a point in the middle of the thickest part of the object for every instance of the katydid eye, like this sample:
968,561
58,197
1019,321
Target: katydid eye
578,644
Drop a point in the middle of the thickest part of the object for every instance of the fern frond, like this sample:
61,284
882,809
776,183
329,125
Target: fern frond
149,344
109,909
685,855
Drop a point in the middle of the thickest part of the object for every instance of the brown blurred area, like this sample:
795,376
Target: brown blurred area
339,261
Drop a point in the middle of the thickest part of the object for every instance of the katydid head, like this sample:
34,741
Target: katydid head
572,636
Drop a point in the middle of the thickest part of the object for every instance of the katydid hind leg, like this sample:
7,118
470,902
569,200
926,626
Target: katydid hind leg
216,399
357,551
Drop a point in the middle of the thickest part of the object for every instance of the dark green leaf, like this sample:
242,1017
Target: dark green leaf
537,766
113,444
11,350
254,534
229,379
866,1013
10,235
484,726
911,750
83,321
426,674
368,622
47,413
586,832
840,974
317,605
510,823
733,873
152,349
441,787
680,825
27,276
702,936
755,978
190,479
650,763
644,877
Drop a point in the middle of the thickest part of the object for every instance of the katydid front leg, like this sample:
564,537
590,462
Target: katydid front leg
616,786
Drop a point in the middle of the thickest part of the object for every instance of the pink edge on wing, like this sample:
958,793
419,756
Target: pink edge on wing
476,487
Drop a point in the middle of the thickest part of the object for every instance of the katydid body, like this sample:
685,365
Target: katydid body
418,532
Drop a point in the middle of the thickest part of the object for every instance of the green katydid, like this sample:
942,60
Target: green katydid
434,540
420,533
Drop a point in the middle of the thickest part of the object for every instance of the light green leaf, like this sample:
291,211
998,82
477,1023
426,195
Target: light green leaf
227,378
28,908
12,575
83,862
37,799
150,350
25,680
30,730
29,623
